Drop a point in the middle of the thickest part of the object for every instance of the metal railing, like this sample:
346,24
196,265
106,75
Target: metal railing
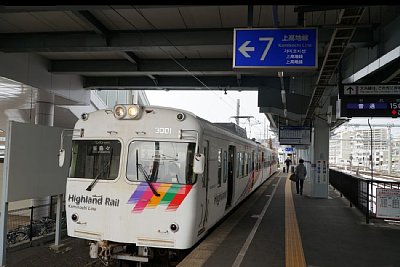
361,192
33,222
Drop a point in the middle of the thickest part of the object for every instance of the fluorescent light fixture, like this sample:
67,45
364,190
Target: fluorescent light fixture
283,94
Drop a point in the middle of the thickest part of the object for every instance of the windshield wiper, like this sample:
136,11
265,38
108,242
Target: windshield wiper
89,188
146,176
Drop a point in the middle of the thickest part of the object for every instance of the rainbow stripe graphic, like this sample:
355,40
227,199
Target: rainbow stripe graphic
171,195
252,178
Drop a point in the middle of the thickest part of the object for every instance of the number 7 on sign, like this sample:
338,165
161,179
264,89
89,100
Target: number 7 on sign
269,40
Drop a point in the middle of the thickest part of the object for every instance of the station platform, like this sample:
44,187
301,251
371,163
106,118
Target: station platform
277,227
273,227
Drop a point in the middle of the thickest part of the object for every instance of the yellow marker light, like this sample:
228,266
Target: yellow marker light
119,112
133,111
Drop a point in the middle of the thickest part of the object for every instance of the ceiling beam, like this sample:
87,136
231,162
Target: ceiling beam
250,16
90,20
302,9
131,56
146,65
61,8
131,41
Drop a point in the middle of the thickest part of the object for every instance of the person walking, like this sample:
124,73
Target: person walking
301,173
288,161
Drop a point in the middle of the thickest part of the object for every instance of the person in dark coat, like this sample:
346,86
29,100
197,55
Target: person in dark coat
301,173
288,161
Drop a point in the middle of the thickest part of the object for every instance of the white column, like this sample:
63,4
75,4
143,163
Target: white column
320,160
44,115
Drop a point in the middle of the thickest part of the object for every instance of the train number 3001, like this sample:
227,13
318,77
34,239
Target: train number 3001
163,130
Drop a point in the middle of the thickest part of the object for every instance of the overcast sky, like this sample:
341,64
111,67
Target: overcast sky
215,106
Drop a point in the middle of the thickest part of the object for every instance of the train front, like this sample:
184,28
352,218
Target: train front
132,181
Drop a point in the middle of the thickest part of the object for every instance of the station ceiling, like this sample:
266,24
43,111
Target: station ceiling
190,47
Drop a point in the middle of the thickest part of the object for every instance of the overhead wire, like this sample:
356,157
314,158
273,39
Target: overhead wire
174,59
177,49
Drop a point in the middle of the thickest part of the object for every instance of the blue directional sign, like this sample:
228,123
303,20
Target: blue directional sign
288,149
275,48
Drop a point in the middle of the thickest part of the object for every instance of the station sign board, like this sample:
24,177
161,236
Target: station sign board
371,89
288,149
275,48
388,203
294,135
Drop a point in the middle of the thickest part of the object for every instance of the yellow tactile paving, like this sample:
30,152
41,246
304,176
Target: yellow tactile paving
294,255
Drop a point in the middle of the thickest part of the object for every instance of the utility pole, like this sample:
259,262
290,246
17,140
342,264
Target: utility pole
237,111
243,117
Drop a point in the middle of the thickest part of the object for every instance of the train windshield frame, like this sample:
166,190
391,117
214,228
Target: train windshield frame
161,161
95,158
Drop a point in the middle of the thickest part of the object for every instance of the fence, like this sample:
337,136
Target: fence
361,192
33,222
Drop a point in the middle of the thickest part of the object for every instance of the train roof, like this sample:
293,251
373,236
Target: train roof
226,126
233,128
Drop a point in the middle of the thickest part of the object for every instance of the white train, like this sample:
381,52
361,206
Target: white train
150,181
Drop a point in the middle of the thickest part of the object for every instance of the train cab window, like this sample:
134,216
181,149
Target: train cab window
161,162
95,159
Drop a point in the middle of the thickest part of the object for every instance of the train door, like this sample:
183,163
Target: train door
231,161
204,194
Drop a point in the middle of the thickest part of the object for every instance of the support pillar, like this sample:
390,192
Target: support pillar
320,159
44,115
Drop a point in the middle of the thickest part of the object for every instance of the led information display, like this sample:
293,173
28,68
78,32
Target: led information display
373,100
294,135
358,108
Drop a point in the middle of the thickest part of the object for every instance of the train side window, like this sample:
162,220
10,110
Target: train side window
219,166
238,164
244,161
225,166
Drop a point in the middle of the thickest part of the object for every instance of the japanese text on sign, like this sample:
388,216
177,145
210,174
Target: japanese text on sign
388,203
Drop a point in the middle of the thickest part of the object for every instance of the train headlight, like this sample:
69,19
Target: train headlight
119,111
174,227
133,112
127,112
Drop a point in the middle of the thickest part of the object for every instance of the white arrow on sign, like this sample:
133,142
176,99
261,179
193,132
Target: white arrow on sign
244,49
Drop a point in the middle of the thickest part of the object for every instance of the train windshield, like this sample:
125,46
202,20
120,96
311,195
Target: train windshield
95,159
163,162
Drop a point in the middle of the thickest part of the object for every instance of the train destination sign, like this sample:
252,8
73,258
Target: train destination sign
275,48
382,108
